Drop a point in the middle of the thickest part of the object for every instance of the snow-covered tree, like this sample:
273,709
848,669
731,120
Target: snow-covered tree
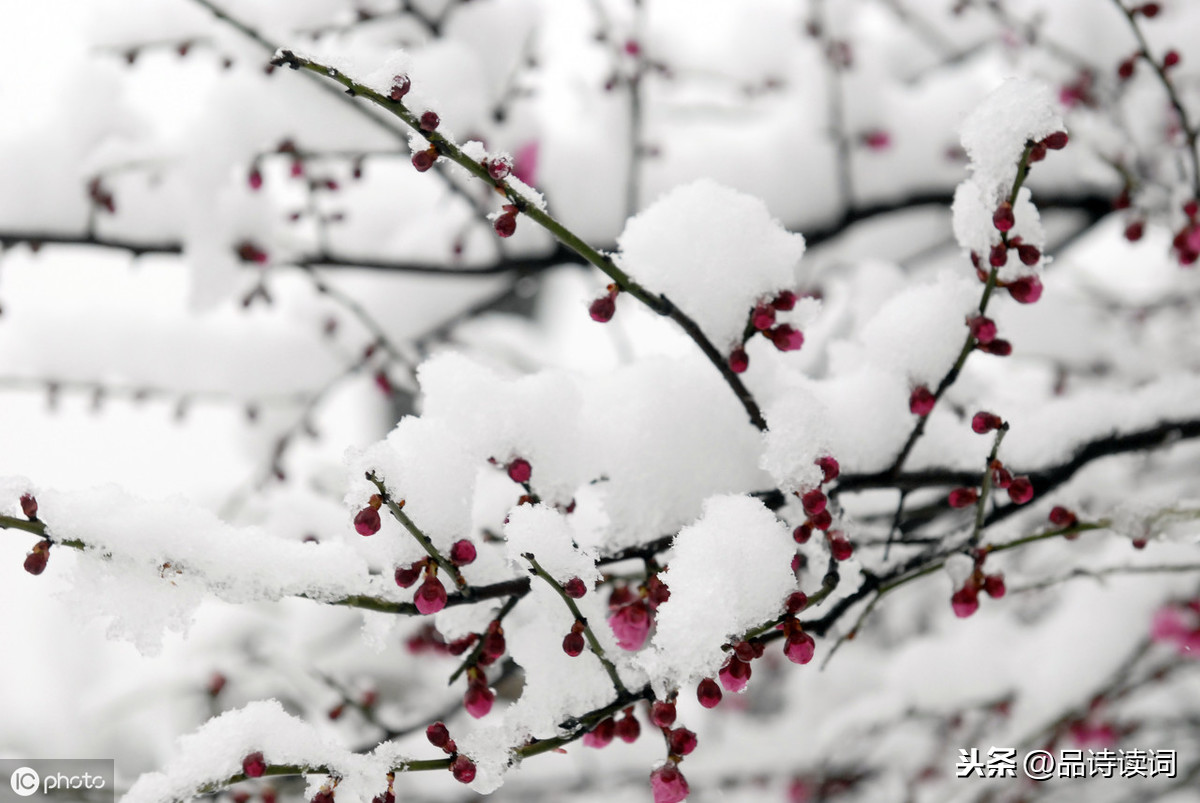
565,399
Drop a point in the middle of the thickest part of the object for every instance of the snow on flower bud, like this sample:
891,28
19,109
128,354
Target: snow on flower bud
1003,218
921,401
431,596
254,765
708,693
366,521
499,167
400,86
29,506
963,497
462,553
463,769
478,700
429,121
984,422
520,470
668,784
1026,290
1021,490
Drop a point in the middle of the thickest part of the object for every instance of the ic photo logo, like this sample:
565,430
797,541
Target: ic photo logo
24,781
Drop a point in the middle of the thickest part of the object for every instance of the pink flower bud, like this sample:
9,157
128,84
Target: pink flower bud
668,784
1026,290
478,700
462,553
829,468
1003,218
463,769
631,625
921,401
366,521
799,648
735,674
739,361
254,765
786,338
984,422
430,596
708,693
965,601
963,497
1021,490
662,714
520,470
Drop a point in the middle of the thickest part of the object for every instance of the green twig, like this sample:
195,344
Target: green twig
658,303
399,515
536,569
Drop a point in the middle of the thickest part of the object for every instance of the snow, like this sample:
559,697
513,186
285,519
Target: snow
215,752
148,564
995,133
798,433
730,571
715,252
547,535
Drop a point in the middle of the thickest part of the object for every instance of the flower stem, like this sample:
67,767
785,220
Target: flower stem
399,515
658,303
537,569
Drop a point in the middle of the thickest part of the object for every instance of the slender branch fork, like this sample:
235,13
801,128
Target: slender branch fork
657,303
1191,131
